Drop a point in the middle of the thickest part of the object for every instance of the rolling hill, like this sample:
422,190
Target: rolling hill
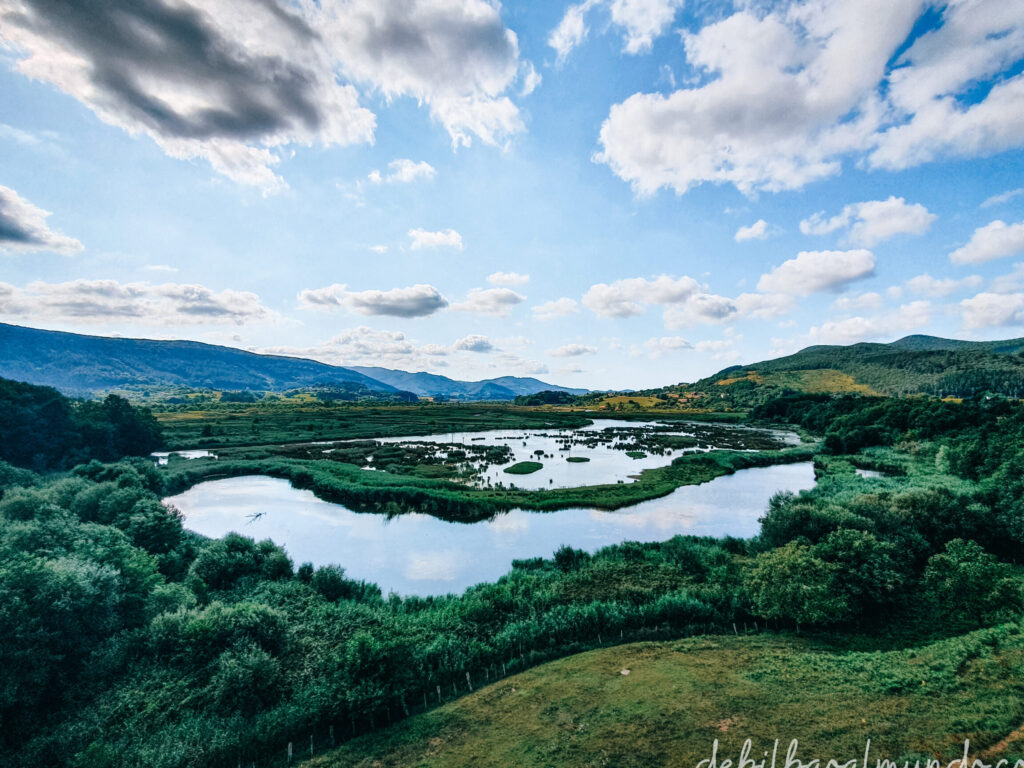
912,365
80,364
433,385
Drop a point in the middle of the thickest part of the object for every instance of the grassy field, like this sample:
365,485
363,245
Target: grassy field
678,697
240,424
812,381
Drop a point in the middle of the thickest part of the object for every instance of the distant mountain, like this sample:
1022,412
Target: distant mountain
912,365
79,364
433,385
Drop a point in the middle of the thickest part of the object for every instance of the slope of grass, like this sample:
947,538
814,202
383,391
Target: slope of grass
678,697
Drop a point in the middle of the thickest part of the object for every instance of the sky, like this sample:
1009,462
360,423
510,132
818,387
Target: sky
604,194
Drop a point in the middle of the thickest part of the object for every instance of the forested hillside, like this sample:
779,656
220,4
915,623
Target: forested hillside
913,365
79,364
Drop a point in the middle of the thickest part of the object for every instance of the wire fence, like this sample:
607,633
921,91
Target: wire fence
432,694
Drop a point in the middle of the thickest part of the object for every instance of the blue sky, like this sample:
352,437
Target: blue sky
613,193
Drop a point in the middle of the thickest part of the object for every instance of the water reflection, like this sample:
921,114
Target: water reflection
420,555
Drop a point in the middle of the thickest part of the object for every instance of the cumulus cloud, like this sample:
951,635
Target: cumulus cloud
363,345
993,241
658,347
641,21
934,287
379,248
508,278
987,310
873,221
552,310
817,271
415,301
473,343
764,305
455,56
700,308
110,301
572,350
446,238
851,330
871,301
756,231
23,227
232,82
493,302
629,297
784,95
403,171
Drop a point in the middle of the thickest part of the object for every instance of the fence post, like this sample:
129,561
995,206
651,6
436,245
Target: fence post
289,753
469,683
311,745
438,694
735,631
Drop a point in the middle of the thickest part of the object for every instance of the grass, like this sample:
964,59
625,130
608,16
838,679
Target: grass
681,696
524,468
823,380
636,454
240,424
577,459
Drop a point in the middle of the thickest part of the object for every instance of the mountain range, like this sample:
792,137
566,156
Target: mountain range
80,364
433,385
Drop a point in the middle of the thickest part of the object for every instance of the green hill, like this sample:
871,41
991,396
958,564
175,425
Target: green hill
586,711
913,365
81,364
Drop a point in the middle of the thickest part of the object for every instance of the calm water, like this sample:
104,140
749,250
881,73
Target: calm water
421,555
605,464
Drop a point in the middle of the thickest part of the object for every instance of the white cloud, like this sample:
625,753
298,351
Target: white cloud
629,297
816,271
784,95
719,349
110,301
493,302
572,350
851,330
404,171
233,82
873,221
1004,197
641,21
658,347
927,285
700,308
379,248
160,268
446,238
473,343
756,231
23,227
1011,283
870,301
987,310
508,278
552,310
415,301
571,30
764,305
993,241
